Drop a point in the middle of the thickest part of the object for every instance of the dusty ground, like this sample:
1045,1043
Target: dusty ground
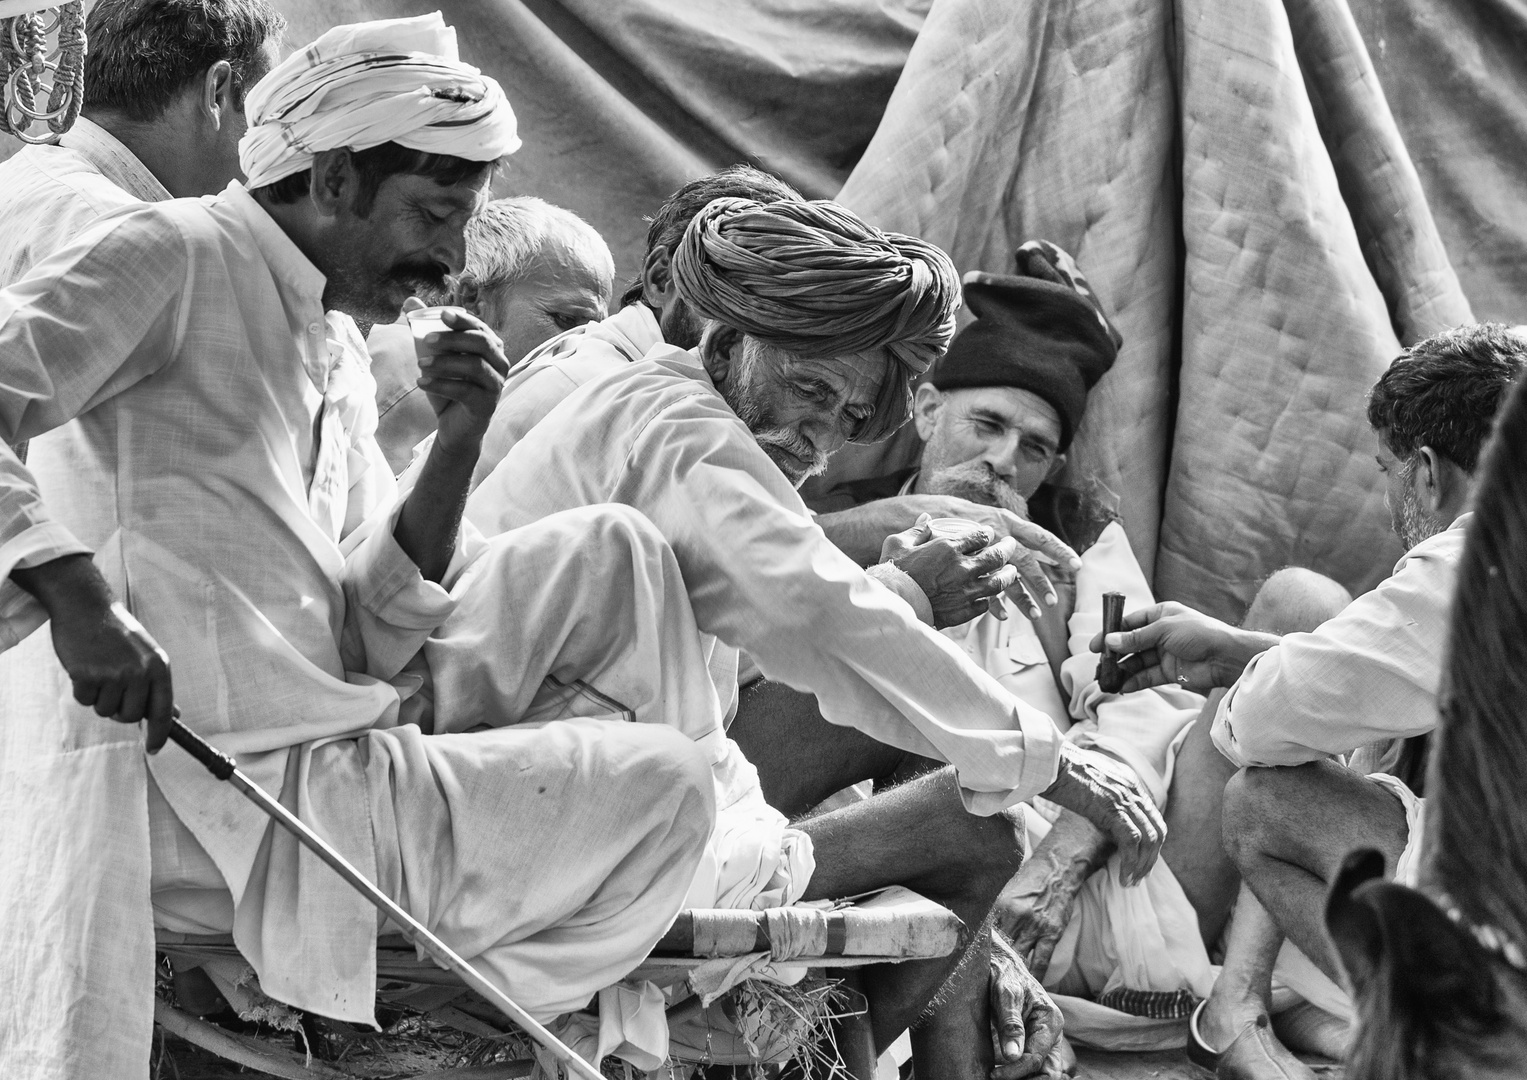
422,1049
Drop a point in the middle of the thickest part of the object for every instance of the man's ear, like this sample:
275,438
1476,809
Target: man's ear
217,94
1056,468
719,351
657,278
334,183
927,399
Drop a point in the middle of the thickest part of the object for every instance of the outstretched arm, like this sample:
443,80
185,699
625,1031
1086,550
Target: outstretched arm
1169,642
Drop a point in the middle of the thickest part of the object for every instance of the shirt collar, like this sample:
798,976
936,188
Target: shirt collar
284,258
113,160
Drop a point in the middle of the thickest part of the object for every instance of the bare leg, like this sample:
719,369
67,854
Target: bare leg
1288,830
1290,601
800,757
1194,847
1244,989
921,836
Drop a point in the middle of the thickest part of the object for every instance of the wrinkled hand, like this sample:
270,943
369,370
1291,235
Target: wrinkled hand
956,565
1035,908
1172,643
1037,548
1026,1024
1111,797
116,666
462,376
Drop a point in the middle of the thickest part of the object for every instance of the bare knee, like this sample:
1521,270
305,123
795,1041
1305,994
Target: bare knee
1253,798
1293,600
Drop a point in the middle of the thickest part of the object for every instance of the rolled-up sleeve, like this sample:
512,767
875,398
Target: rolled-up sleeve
1370,673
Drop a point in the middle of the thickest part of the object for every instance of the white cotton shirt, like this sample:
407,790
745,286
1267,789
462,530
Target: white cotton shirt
52,193
554,369
1370,673
227,422
761,574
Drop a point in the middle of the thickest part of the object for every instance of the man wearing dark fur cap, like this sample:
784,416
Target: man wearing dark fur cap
996,417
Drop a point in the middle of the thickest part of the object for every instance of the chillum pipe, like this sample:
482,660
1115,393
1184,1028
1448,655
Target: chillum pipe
222,766
1111,677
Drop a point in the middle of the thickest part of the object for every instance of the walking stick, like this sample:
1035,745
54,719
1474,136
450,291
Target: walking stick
222,766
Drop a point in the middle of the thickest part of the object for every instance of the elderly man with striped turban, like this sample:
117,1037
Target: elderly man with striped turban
229,515
814,326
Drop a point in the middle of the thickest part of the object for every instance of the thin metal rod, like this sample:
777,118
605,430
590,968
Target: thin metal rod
222,766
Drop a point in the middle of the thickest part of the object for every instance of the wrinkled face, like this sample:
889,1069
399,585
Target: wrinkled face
1411,521
409,239
569,285
800,409
991,434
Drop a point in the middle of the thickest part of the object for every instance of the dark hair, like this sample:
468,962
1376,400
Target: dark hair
144,52
377,163
1444,392
666,227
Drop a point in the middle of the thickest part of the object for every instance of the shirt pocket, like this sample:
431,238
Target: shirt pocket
1024,649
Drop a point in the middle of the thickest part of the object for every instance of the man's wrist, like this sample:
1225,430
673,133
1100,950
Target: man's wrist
1246,646
66,586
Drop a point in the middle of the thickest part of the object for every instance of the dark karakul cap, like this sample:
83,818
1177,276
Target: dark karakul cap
1033,334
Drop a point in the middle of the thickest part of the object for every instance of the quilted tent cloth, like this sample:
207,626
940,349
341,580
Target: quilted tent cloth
1229,175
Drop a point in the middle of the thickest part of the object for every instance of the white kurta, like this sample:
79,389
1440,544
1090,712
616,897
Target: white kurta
222,429
74,945
553,370
1371,673
763,577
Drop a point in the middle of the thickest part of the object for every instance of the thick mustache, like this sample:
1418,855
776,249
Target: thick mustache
419,274
978,482
793,443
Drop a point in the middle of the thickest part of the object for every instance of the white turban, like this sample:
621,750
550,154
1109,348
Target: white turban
358,86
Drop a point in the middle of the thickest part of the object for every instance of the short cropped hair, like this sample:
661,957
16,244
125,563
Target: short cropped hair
1444,392
666,227
377,163
144,52
508,236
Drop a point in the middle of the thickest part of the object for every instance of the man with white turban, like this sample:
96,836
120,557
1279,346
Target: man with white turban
815,326
213,529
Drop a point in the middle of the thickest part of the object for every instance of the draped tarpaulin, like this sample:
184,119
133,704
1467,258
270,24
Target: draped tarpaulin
1228,173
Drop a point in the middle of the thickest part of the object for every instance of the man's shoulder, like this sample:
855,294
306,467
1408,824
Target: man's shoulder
54,174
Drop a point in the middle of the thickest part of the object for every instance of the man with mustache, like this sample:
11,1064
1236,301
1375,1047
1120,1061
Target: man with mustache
814,326
1322,724
996,416
210,532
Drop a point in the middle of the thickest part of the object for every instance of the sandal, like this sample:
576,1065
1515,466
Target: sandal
1254,1054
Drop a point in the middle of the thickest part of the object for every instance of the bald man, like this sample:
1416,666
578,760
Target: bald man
533,271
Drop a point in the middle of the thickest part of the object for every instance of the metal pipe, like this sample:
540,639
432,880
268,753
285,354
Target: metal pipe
223,767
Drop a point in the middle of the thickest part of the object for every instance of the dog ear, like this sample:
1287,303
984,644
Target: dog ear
1353,925
1413,971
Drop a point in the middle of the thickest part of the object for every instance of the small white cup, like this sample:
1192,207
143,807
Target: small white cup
423,322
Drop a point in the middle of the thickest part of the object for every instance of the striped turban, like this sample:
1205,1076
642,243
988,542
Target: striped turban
811,278
358,86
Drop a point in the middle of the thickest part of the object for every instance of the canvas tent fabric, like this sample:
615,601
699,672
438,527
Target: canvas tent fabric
1090,116
1212,167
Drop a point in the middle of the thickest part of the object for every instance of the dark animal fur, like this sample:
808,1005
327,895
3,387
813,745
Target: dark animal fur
1432,1002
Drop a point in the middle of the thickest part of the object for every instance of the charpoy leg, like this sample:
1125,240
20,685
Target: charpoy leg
583,613
920,835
